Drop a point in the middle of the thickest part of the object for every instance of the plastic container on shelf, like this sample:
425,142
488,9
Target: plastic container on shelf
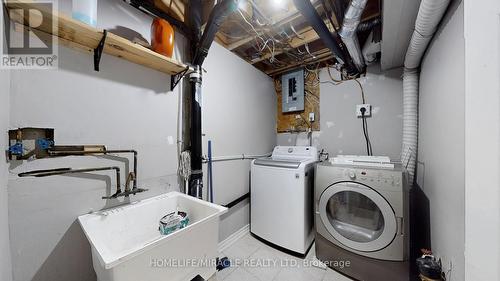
85,11
162,37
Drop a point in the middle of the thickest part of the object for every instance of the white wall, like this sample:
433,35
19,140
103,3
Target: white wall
5,259
239,117
342,132
441,145
124,106
398,22
482,140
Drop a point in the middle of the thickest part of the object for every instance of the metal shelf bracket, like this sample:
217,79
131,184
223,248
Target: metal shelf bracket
98,51
176,78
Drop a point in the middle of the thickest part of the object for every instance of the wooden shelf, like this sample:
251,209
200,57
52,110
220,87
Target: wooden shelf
77,35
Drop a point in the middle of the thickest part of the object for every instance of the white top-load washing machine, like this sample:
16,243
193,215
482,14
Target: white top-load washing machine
281,205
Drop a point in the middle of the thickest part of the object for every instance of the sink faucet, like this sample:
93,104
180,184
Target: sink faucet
131,177
63,171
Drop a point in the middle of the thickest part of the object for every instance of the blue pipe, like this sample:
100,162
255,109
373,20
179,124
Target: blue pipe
210,182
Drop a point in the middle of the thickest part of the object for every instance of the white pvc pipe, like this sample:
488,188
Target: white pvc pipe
429,15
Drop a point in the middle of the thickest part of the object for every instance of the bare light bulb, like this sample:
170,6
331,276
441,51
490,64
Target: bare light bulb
242,4
278,3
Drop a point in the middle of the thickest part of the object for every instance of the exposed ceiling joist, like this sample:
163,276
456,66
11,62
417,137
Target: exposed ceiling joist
274,33
307,35
319,56
175,8
287,19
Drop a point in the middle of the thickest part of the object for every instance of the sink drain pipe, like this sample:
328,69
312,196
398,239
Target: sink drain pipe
429,16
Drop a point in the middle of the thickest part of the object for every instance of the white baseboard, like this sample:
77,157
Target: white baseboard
226,243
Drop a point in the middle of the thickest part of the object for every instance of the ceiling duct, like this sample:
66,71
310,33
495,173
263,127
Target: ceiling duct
219,14
429,15
311,15
348,32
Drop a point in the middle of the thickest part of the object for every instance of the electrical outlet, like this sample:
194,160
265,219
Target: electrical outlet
311,117
368,110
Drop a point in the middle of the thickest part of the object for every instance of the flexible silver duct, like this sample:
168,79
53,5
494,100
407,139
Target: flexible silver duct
348,34
429,15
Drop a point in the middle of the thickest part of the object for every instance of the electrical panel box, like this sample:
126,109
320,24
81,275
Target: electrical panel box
292,91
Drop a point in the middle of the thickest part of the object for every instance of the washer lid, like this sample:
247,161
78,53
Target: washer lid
269,162
357,216
295,153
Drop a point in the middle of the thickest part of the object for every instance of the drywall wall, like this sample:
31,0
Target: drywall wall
239,117
341,131
5,260
398,22
482,140
124,106
441,158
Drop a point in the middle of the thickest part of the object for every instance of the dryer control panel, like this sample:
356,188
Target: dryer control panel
373,177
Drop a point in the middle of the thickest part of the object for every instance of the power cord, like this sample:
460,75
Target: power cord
365,132
336,82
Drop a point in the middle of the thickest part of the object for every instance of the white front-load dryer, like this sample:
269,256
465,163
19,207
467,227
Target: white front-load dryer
281,197
362,216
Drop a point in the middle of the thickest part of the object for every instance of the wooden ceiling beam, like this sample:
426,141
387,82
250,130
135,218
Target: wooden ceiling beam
175,8
221,39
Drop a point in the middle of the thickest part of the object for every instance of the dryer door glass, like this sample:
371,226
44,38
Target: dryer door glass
355,216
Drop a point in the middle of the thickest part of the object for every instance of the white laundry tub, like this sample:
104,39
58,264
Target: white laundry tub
126,243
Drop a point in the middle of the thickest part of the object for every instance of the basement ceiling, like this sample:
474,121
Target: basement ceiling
272,35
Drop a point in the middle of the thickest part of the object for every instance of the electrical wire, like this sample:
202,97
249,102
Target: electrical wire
267,43
369,149
365,134
365,123
258,35
362,90
331,76
296,33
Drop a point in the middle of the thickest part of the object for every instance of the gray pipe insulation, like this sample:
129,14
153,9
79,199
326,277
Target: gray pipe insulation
311,15
429,16
217,17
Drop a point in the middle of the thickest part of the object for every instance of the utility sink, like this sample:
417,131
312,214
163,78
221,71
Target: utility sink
127,245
